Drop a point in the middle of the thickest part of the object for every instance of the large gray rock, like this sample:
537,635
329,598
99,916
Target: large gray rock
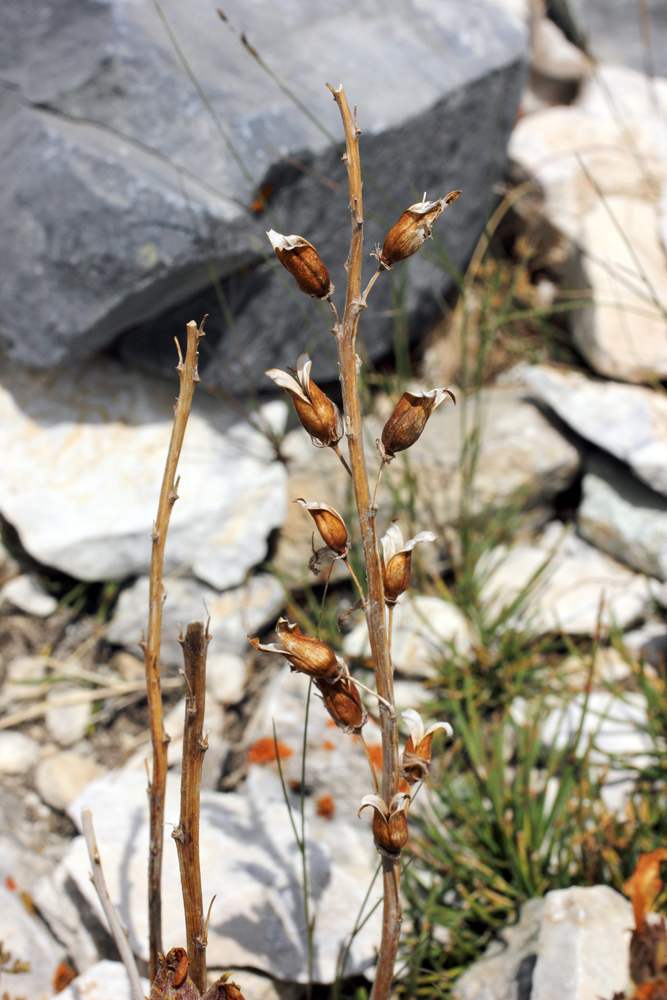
615,32
83,459
121,197
623,517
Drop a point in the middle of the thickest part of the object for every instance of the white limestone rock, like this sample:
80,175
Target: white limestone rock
582,950
90,445
629,422
247,846
226,675
423,628
28,941
63,776
26,593
235,613
66,724
18,753
567,585
621,516
103,981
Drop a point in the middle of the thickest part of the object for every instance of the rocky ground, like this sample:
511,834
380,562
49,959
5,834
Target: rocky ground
572,442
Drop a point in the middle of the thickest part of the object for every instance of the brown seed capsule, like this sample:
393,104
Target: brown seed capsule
303,262
408,420
413,227
330,524
342,702
317,413
416,758
304,653
390,825
397,560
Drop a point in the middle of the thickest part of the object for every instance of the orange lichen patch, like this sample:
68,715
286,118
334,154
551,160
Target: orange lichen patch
325,807
644,886
647,990
375,754
10,883
331,724
258,206
328,745
264,751
63,976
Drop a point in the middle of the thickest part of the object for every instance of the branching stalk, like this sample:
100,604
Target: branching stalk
118,931
189,376
345,334
195,644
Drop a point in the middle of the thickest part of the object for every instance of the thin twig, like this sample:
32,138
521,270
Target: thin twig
334,447
382,701
189,376
347,362
377,481
118,931
356,582
186,834
370,284
370,762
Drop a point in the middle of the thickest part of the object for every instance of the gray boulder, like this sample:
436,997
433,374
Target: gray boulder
122,199
614,32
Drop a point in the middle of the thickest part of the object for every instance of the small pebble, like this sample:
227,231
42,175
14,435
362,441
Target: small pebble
26,593
226,675
60,778
18,752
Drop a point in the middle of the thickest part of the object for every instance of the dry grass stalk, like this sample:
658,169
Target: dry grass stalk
186,834
345,333
118,931
189,376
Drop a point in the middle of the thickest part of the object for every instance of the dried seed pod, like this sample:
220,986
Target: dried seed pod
317,413
342,702
408,420
304,263
390,825
397,560
330,524
416,758
304,653
413,227
172,980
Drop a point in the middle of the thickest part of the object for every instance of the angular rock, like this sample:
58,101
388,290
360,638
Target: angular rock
60,778
556,57
624,334
623,517
523,459
423,628
566,583
629,422
614,33
26,593
247,846
234,613
612,724
582,950
28,941
103,981
18,752
505,971
90,445
71,918
115,214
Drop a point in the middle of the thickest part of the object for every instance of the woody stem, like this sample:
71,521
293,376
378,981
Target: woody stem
345,336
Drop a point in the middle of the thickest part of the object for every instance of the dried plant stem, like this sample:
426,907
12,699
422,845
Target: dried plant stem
186,834
334,447
189,376
345,334
118,931
370,762
356,582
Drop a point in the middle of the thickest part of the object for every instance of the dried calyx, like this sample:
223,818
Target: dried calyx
172,981
304,263
416,758
397,560
390,823
330,525
408,420
414,226
317,413
343,703
304,653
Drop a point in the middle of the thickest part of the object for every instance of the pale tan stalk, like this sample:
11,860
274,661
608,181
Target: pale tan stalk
186,834
189,376
118,931
346,334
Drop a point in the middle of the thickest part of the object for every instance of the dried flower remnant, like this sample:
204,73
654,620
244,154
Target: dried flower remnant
330,524
416,758
408,420
317,413
412,229
304,653
343,703
397,560
304,263
644,886
173,983
390,824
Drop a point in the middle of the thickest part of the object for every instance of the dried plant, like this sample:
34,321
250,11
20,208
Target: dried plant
386,578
